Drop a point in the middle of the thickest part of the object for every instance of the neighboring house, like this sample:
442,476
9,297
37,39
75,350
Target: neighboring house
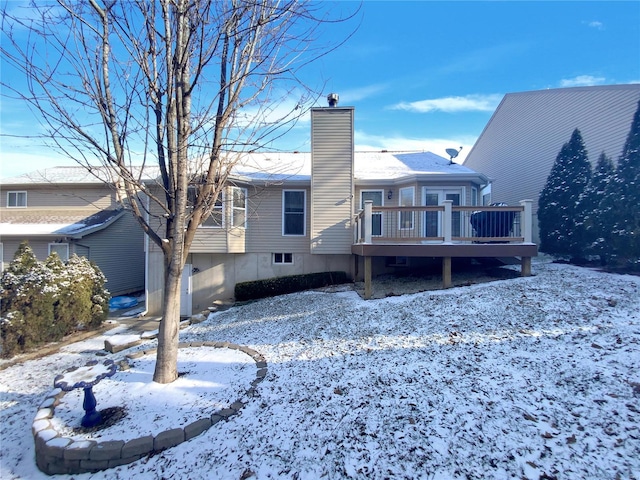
296,213
68,210
520,143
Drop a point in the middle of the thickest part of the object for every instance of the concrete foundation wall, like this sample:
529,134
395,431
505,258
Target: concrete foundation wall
215,275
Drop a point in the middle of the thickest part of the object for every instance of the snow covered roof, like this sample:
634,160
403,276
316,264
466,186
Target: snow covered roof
74,224
287,167
73,175
368,166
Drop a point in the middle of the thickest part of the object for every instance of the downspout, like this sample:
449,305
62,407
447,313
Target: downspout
146,263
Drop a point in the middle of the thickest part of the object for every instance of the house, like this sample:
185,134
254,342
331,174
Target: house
331,209
69,210
334,209
520,143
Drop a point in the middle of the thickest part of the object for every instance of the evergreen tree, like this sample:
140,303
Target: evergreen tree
595,194
562,204
621,205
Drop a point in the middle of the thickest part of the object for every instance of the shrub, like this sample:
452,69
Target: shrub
281,285
44,301
27,294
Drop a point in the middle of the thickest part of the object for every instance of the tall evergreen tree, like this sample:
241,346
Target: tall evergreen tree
561,208
621,205
595,194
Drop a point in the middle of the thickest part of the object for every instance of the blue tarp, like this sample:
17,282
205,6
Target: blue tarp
118,303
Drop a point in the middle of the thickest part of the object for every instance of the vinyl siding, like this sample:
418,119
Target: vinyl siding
209,239
10,246
119,252
331,180
525,134
98,197
264,230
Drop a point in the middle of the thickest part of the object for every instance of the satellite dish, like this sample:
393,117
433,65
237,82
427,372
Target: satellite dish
453,153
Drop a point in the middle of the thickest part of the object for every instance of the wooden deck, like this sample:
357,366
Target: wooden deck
444,231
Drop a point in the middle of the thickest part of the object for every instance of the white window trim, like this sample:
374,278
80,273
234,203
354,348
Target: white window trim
413,202
60,245
304,213
234,208
1,257
442,193
16,193
379,214
283,262
222,215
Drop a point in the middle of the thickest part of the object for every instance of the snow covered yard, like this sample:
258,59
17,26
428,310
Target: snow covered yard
531,378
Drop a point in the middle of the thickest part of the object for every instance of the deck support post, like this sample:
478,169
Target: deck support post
446,272
525,268
367,278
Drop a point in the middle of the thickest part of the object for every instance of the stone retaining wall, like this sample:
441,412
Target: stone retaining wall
59,455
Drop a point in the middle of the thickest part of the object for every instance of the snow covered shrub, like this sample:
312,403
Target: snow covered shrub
90,305
44,301
27,292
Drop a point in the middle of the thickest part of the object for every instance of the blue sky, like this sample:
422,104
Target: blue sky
428,75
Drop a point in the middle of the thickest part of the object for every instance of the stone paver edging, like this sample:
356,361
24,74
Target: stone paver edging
59,455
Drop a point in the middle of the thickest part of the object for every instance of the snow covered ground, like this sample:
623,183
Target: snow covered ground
530,378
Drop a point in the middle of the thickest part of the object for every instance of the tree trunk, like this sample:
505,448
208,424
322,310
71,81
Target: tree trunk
166,369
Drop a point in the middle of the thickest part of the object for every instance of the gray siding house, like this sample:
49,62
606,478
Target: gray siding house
69,211
520,143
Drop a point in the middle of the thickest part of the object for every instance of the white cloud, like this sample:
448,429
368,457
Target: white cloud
348,97
582,81
468,103
366,142
595,24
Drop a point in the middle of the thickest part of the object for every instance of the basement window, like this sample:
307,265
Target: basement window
283,258
397,261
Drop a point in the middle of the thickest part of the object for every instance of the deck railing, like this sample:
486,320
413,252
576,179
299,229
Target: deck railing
444,223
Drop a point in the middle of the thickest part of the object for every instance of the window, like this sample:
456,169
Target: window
16,199
216,217
407,198
293,212
435,196
376,219
474,196
397,261
283,258
62,249
239,207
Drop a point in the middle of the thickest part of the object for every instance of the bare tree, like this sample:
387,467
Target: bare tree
181,85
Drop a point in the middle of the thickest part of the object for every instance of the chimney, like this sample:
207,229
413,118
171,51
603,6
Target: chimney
332,188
